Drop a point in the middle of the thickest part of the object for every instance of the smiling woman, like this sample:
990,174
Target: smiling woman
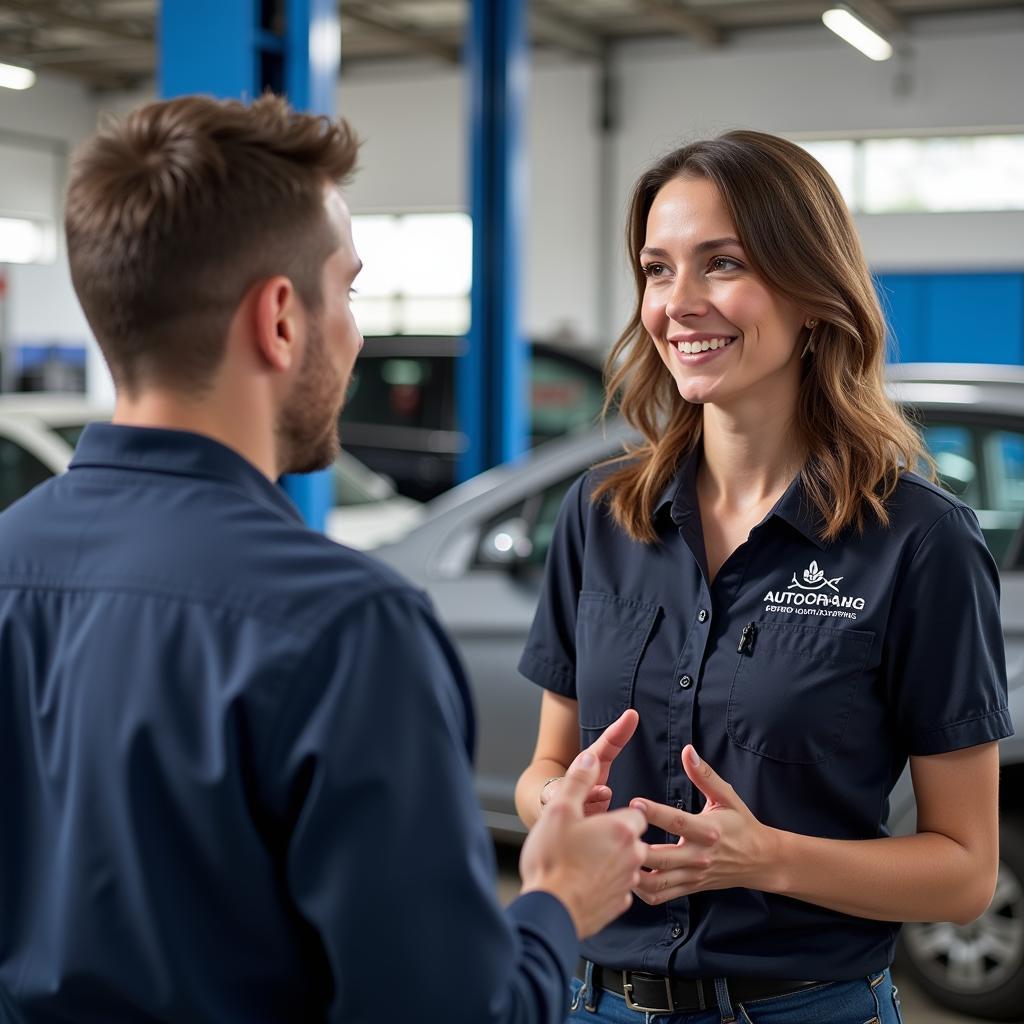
765,581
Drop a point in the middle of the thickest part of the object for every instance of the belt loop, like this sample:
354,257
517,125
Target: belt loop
724,1003
589,993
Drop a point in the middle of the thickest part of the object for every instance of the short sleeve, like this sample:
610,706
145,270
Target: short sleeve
549,658
944,660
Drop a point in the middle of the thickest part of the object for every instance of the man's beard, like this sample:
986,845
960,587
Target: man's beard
307,427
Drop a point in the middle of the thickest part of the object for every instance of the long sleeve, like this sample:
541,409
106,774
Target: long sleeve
387,857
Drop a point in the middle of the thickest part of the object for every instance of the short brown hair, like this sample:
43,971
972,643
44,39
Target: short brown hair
799,236
175,212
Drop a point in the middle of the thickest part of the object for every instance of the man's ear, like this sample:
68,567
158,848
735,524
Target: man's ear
278,320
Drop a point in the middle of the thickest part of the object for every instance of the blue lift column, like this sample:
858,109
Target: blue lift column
492,374
239,49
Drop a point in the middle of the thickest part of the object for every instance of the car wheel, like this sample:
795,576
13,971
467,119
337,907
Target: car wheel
977,968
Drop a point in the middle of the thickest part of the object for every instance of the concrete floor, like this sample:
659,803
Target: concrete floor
916,1007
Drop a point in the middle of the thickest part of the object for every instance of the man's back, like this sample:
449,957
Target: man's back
214,803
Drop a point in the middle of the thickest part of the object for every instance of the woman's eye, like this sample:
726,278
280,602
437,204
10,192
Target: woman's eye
654,269
723,263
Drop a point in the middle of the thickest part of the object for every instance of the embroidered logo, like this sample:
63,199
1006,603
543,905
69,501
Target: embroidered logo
813,592
815,579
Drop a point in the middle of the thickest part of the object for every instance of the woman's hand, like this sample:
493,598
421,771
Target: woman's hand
605,748
722,847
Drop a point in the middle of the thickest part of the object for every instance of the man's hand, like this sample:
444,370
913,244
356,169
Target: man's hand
591,864
722,847
605,748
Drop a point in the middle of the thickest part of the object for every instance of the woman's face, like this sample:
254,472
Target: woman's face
722,333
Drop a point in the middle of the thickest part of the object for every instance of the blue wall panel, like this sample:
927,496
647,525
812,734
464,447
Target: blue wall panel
959,318
975,318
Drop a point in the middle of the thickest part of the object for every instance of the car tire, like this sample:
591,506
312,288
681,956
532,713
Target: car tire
977,969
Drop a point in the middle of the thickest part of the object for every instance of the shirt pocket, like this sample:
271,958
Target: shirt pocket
611,634
795,689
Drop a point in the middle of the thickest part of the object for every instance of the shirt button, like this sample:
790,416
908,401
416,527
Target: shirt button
702,615
677,931
686,682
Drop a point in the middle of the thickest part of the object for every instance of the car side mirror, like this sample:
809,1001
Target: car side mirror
508,543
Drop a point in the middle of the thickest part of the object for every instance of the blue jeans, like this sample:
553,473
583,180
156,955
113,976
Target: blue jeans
871,1000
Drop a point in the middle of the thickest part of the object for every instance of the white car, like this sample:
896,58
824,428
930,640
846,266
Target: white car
39,431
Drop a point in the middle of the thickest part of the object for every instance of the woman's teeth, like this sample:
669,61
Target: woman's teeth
691,347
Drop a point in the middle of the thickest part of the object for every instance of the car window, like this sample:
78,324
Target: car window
564,396
984,467
952,446
400,391
69,432
525,529
542,528
20,471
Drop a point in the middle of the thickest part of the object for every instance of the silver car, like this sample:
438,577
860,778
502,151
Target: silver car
480,554
38,434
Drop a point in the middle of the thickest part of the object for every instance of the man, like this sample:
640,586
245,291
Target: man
234,755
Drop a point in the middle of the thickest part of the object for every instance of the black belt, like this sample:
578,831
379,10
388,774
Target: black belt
654,993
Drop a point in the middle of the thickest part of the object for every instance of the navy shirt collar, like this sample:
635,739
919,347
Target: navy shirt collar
680,499
176,453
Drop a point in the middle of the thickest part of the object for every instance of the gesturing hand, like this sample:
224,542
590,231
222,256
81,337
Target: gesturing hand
605,748
721,847
590,864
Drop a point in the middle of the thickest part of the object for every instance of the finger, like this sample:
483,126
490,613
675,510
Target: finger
654,899
634,819
611,742
665,857
653,885
691,827
579,779
706,779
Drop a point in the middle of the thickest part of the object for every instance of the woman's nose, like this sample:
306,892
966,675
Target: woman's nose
687,298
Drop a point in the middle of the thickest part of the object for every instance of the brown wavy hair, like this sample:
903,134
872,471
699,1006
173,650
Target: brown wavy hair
799,237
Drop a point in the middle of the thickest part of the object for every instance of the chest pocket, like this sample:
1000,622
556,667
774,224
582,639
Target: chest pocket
794,691
611,634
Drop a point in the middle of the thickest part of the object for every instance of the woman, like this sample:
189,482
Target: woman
791,612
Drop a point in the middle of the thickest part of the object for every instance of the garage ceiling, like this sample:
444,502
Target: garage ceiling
109,44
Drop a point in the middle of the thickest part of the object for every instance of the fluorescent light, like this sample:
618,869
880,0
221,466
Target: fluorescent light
21,241
848,26
13,77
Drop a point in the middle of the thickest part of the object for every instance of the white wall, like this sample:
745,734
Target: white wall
415,157
41,306
958,75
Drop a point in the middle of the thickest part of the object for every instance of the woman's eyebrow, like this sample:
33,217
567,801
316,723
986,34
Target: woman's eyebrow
700,247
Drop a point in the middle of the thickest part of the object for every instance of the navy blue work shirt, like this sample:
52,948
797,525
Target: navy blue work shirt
234,767
805,675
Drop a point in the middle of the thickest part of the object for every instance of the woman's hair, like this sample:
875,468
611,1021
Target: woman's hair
799,237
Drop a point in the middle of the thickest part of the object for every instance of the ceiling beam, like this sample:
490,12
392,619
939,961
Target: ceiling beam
679,15
547,27
54,14
412,35
880,15
137,52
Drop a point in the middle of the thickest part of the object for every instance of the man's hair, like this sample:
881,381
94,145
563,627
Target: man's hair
175,212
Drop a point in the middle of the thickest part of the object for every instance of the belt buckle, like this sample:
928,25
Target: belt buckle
627,991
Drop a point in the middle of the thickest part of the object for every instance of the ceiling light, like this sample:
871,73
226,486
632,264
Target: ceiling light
848,26
13,77
21,241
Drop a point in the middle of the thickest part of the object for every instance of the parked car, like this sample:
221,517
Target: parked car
480,554
38,433
400,416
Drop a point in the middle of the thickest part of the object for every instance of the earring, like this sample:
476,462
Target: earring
809,347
